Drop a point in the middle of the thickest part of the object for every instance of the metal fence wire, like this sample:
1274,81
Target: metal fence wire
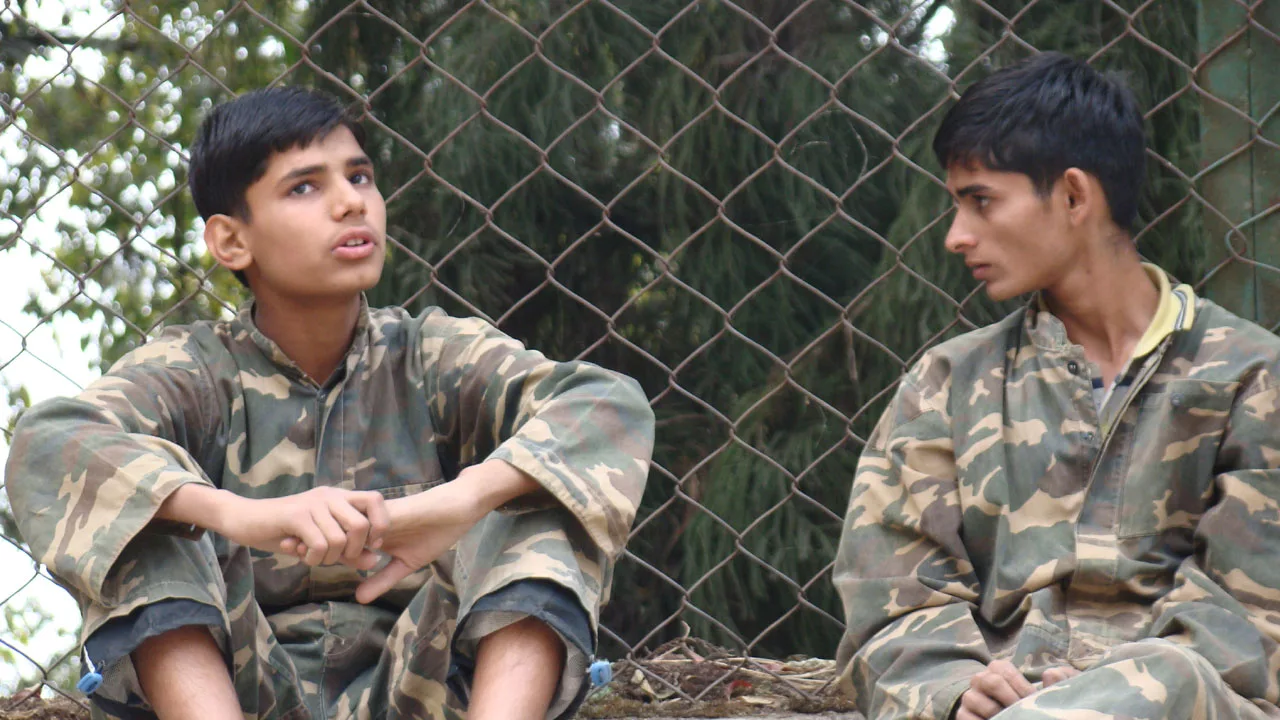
732,201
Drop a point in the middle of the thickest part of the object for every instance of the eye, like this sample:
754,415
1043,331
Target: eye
981,201
302,188
363,177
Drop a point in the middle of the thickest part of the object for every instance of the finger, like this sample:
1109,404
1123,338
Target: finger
374,507
368,560
976,702
1056,675
382,581
965,714
1012,675
313,545
289,545
356,526
335,537
996,687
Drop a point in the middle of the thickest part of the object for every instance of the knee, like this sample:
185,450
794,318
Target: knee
1147,679
1159,659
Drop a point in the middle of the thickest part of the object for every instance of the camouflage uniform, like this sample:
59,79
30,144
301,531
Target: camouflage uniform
999,512
416,400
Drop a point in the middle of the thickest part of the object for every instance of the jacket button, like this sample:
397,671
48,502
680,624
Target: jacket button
1073,367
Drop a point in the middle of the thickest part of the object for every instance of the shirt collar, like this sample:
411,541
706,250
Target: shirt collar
269,348
1175,311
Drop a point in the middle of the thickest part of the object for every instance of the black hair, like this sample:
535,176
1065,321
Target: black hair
238,138
1047,114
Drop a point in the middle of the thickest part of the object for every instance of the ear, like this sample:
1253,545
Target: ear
224,236
1083,195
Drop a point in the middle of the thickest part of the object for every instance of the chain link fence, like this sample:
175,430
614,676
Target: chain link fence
733,202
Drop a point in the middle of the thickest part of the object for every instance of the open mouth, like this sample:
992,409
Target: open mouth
355,247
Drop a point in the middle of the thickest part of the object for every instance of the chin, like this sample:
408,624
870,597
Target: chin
366,280
1000,293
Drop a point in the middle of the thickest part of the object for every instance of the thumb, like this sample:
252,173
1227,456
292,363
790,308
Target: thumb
382,581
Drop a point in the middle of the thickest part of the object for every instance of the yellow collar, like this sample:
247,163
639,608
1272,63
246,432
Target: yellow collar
1176,311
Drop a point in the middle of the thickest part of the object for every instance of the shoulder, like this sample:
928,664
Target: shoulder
966,357
963,361
1223,347
434,332
179,349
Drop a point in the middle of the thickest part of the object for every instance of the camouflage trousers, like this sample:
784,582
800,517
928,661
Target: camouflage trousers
320,660
1146,680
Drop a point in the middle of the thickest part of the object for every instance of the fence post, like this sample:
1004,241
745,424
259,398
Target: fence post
1240,149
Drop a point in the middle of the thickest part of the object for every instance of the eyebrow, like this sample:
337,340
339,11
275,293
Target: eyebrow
968,190
308,170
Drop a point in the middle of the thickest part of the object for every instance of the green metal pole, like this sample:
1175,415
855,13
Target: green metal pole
1264,91
1240,182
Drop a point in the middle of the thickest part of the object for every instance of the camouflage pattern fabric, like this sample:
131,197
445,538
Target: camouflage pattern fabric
993,516
418,399
1149,679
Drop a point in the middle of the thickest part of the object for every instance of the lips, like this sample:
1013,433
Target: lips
355,244
981,271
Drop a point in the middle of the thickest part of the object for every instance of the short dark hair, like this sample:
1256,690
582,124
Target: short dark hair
1047,114
237,139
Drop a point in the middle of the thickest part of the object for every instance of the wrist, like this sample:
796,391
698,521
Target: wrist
224,508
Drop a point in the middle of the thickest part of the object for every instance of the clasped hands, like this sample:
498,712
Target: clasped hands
1000,685
327,525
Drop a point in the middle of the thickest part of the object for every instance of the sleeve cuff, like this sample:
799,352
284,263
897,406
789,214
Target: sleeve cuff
121,636
541,599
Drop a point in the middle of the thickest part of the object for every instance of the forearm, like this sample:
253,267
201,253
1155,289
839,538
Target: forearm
476,492
199,505
495,483
917,666
1235,637
517,670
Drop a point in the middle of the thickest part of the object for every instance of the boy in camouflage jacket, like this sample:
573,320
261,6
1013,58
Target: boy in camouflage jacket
404,513
1074,512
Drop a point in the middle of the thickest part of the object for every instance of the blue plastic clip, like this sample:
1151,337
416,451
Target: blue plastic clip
91,680
601,672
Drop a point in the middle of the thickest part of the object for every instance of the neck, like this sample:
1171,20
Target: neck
315,335
1106,303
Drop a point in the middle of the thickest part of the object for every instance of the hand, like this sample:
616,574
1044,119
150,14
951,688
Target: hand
1055,675
421,528
993,690
330,525
424,526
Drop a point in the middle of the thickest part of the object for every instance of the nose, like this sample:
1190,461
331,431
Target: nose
960,238
348,201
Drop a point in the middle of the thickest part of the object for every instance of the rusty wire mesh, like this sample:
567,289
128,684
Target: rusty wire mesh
877,200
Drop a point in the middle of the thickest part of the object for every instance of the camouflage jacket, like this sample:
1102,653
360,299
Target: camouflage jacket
416,400
994,514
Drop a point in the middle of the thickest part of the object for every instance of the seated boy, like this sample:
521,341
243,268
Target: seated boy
405,514
1073,512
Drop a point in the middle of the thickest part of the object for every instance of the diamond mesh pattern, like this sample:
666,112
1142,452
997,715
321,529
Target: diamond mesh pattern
732,201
